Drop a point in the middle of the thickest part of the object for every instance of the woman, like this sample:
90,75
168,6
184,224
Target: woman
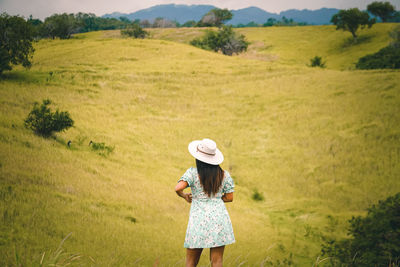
209,224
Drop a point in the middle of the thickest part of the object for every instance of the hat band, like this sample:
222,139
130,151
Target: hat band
199,150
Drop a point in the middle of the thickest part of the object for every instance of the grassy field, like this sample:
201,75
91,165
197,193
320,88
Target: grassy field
320,145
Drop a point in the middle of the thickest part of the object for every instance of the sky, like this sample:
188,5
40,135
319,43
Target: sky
44,8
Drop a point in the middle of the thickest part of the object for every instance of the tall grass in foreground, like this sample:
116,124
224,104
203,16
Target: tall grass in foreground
320,145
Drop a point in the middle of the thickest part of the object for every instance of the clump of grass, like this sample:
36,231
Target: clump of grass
131,219
257,196
58,258
101,148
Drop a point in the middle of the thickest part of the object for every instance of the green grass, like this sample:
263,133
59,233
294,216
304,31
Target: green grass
320,145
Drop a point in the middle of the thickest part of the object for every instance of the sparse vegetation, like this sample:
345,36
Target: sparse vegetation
44,122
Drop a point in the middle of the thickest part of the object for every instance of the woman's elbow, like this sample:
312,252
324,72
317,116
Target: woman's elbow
228,198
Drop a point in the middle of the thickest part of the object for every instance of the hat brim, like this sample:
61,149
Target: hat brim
216,159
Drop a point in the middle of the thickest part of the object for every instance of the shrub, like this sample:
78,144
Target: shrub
317,62
225,40
134,30
375,238
257,196
44,122
101,148
386,58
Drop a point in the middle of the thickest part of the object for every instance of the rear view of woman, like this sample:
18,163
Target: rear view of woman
209,224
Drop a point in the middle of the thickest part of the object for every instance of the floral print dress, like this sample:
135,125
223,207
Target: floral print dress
209,223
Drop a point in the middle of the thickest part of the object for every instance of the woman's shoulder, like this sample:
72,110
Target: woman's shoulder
192,171
227,174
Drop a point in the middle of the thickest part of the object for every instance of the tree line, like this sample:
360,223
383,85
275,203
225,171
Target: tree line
64,25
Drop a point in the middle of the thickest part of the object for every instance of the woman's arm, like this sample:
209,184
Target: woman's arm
227,197
179,191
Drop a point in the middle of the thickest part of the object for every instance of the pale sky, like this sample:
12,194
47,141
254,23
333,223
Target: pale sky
44,8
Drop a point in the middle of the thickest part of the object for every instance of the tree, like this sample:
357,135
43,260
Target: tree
145,23
61,25
215,17
134,30
189,23
36,26
44,122
225,40
163,23
375,238
384,10
395,17
124,19
351,19
16,36
270,22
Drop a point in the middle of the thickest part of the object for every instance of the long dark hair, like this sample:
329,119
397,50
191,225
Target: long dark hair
211,177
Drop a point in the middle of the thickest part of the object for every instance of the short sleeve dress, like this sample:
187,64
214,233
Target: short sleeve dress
209,223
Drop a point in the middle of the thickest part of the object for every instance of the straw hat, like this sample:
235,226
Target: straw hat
206,151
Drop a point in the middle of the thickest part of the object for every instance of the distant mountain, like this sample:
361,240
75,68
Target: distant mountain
319,16
250,14
183,13
180,13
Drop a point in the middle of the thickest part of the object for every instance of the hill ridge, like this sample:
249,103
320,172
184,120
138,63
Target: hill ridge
183,13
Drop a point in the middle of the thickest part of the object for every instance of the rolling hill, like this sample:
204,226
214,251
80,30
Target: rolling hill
320,145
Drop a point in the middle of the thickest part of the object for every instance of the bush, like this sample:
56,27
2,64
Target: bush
44,122
225,40
134,30
375,238
386,58
257,196
317,62
101,148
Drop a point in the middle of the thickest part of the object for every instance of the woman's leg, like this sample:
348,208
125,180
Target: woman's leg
193,256
216,255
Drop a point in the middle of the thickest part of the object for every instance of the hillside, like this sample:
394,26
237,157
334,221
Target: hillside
320,145
297,45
